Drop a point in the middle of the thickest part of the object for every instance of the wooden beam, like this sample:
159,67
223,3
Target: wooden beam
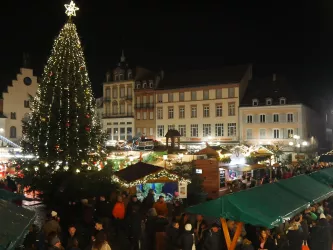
226,232
236,236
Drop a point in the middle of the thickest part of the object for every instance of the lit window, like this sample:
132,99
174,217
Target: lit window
160,130
144,115
290,133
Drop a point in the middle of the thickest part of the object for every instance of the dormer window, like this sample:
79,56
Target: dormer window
138,86
129,75
255,102
144,85
121,77
116,77
268,101
151,83
283,101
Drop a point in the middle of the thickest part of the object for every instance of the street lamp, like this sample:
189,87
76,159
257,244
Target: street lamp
291,143
181,155
305,143
165,158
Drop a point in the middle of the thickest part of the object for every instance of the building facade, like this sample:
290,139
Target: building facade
16,104
146,83
271,114
202,105
118,92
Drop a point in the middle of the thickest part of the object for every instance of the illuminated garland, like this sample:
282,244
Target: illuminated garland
154,176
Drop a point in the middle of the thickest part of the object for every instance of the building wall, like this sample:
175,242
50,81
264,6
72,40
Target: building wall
118,106
145,116
167,122
14,106
250,131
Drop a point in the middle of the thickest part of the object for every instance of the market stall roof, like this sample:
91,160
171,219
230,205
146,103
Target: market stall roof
262,152
306,187
141,172
208,151
242,167
9,196
323,176
268,205
14,224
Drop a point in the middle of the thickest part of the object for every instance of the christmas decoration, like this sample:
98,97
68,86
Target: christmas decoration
71,9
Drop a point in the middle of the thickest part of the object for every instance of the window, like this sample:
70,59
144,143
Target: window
231,109
122,108
12,132
138,86
182,130
249,133
194,112
13,115
138,100
194,95
144,115
144,85
138,130
181,97
26,104
290,117
275,117
151,131
129,131
159,98
282,101
108,93
276,133
206,111
218,110
108,131
159,113
129,75
145,131
231,129
206,94
218,94
262,133
170,97
171,127
181,112
231,92
290,133
115,133
121,77
262,118
255,102
249,119
170,113
268,101
122,92
122,134
129,92
151,115
194,130
129,109
114,92
160,130
219,129
151,84
206,132
138,115
116,77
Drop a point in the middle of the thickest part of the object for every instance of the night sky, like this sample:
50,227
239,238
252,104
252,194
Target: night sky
287,37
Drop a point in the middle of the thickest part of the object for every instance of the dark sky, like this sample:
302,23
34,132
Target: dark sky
288,37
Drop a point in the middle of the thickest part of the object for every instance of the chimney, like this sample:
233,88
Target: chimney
162,74
274,77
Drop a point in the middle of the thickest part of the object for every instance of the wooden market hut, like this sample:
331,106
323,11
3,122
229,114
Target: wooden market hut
268,205
174,137
141,173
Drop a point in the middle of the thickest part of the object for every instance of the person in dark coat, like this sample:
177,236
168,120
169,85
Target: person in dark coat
173,236
187,239
150,229
184,219
213,239
134,220
321,235
149,201
265,241
202,236
295,234
73,239
30,241
103,212
160,226
133,204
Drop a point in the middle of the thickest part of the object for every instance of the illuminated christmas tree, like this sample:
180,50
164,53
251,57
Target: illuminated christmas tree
62,130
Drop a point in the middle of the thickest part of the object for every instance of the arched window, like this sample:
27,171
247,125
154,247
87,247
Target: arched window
12,132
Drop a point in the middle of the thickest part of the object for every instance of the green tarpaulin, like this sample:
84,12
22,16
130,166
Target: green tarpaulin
307,188
9,196
324,176
268,205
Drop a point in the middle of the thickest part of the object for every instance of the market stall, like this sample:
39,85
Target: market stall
140,177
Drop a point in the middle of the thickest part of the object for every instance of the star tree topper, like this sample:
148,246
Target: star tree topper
71,9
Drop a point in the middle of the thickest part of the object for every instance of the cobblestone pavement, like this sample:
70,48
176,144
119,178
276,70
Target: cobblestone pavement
40,214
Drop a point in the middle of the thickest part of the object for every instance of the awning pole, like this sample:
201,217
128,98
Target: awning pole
236,236
226,232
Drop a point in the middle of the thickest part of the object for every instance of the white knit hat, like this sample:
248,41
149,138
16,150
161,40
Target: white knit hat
188,227
54,213
322,216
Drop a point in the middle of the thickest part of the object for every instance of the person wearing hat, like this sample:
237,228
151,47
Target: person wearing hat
213,239
52,224
187,239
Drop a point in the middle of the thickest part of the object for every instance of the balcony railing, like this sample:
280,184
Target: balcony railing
144,105
117,115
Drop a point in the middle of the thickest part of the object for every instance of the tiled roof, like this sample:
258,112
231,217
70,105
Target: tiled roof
264,88
197,78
